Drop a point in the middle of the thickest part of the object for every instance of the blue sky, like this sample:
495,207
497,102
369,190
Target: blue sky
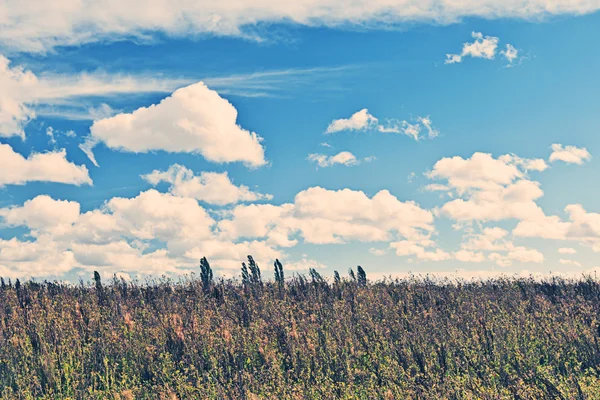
188,177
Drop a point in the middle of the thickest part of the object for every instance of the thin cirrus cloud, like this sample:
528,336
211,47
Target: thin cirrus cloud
209,187
40,167
343,158
194,119
40,26
362,121
485,47
25,94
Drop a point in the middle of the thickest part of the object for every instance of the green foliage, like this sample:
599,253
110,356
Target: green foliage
392,339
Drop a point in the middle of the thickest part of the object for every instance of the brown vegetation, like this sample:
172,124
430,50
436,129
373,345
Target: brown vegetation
300,338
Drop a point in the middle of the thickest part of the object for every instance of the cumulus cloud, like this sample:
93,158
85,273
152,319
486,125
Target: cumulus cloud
517,254
122,235
40,26
322,216
489,189
485,47
359,121
156,233
569,154
49,167
209,187
581,226
343,158
194,119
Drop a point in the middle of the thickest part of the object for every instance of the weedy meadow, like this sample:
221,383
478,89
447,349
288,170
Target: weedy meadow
300,337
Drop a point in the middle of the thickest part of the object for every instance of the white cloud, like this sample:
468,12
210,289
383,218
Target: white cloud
483,47
518,254
359,121
210,187
412,130
428,124
194,119
582,227
14,113
510,53
343,158
419,249
489,189
570,262
304,264
363,121
567,250
377,252
40,26
323,216
469,256
50,167
569,154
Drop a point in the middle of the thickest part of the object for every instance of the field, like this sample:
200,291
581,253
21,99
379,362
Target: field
300,337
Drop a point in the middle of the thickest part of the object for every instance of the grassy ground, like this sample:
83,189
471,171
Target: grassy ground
500,339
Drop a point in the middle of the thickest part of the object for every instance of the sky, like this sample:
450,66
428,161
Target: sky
444,138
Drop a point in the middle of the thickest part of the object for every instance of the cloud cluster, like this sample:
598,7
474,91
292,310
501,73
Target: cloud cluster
152,233
485,47
39,25
167,233
364,121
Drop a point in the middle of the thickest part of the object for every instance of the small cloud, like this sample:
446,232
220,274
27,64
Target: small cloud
377,252
412,130
359,121
485,47
363,121
569,154
325,144
567,250
510,53
570,262
344,158
87,147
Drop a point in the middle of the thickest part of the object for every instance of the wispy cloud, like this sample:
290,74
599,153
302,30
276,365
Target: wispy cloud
40,26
